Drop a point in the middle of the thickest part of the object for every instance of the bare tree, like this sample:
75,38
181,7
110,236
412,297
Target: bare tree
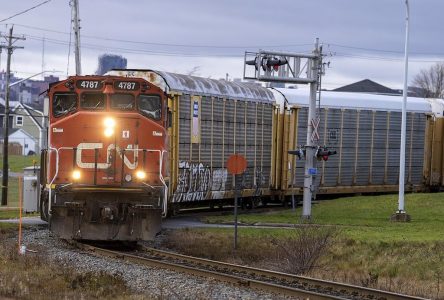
431,81
301,251
194,71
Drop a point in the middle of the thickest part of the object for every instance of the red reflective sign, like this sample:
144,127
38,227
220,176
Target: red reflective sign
236,164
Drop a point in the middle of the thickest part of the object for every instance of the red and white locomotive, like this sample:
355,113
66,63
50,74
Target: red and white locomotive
105,170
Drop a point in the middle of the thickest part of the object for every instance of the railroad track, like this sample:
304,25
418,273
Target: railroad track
259,279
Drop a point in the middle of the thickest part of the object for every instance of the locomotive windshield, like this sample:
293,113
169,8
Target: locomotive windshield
122,101
150,106
92,101
64,104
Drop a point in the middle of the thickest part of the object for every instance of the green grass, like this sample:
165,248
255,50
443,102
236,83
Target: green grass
9,214
18,162
368,250
13,192
366,218
11,211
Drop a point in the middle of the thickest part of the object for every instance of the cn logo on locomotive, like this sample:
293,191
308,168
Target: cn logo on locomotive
105,165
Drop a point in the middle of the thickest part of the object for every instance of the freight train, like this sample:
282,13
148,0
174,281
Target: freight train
180,144
213,119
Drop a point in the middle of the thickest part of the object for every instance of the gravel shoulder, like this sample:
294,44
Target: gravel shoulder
149,282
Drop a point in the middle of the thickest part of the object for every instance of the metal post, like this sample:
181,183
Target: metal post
400,214
235,212
310,147
76,27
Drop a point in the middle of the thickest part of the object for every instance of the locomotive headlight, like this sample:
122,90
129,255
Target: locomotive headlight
108,132
76,175
109,123
140,175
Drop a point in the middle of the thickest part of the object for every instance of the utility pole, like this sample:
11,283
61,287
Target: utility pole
11,40
76,27
43,58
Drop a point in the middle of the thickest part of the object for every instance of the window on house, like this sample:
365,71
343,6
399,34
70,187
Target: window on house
19,121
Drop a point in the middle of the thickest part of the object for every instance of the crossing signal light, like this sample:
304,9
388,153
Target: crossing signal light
253,62
299,152
323,153
267,63
274,63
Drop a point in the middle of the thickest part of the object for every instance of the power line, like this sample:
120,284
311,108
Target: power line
25,11
135,51
228,47
181,54
165,44
381,58
380,50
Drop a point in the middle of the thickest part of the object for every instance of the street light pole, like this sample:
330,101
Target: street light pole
400,214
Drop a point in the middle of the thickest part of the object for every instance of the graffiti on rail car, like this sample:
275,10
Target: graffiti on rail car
198,182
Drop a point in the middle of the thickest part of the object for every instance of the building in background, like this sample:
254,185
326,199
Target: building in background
29,92
27,127
20,142
108,62
371,87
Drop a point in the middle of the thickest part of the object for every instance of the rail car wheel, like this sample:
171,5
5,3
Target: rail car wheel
173,210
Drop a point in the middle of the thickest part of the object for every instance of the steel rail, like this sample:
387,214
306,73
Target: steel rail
233,279
341,288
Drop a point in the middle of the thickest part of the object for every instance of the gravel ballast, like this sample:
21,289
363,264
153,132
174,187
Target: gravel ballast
152,282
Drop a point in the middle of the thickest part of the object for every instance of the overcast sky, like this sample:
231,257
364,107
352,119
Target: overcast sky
363,38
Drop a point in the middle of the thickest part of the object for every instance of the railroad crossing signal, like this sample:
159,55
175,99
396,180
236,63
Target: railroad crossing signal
271,66
315,133
275,66
322,153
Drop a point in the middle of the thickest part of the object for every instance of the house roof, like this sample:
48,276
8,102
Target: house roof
10,132
367,86
34,114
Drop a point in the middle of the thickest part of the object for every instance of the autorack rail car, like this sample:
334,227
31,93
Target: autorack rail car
365,130
104,171
211,120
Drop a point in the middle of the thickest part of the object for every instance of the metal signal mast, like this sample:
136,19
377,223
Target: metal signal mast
271,66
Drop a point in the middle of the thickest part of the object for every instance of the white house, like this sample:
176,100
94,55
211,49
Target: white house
28,143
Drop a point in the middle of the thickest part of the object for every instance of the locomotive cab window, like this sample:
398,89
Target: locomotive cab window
92,101
150,106
122,101
64,104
